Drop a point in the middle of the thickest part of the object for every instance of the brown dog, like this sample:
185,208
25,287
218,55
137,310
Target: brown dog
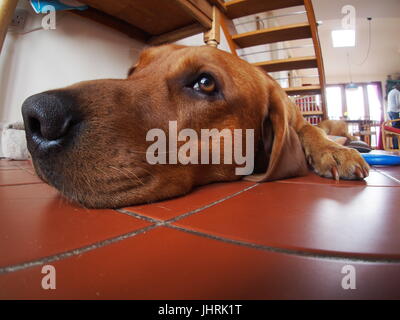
89,140
336,128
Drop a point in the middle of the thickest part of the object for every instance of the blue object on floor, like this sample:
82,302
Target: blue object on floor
381,159
58,5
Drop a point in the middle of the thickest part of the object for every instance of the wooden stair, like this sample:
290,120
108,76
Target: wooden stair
305,90
288,64
240,8
271,35
307,30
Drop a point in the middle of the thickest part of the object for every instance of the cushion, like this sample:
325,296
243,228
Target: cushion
13,144
392,129
360,146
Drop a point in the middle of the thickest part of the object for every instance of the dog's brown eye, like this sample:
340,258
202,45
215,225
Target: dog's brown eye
205,84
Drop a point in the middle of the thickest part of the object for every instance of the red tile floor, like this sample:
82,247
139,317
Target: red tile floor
288,239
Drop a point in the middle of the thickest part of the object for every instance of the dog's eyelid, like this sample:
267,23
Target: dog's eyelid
132,70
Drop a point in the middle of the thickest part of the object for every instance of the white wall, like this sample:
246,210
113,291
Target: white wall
77,50
383,58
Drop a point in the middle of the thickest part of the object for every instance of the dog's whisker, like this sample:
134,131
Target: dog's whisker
136,177
147,172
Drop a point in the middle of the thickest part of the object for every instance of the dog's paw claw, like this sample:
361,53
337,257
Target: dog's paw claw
358,173
339,163
335,173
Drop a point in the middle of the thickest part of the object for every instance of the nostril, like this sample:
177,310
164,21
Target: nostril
34,125
49,129
50,121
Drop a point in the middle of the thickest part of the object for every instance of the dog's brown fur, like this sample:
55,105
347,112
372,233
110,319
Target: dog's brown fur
336,128
106,166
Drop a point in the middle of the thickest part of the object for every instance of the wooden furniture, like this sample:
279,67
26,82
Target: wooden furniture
388,133
7,8
308,29
365,129
158,21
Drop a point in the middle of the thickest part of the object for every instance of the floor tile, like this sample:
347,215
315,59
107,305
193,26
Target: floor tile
170,264
339,220
7,164
35,221
375,179
13,164
26,164
392,171
17,176
198,198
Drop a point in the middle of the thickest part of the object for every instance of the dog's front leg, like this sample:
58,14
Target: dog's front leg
330,159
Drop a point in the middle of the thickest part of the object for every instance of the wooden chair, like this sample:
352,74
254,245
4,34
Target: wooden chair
388,131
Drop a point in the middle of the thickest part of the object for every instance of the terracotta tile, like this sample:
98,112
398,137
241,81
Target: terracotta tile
316,218
170,264
7,164
13,164
199,197
25,164
393,171
35,221
17,176
375,179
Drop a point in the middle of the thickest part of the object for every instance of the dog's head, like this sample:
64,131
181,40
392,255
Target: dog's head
90,140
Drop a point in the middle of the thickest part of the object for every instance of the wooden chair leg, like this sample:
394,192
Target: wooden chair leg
383,135
384,141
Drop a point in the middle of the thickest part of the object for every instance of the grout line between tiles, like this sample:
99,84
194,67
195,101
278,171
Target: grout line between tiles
389,176
20,184
337,185
138,216
186,214
283,250
189,213
75,252
168,223
96,245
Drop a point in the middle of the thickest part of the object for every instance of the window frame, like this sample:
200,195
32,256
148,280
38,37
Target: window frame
365,94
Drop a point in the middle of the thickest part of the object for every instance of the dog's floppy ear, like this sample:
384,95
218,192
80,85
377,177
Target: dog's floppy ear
280,154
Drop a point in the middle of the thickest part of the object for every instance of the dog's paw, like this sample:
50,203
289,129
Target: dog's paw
339,162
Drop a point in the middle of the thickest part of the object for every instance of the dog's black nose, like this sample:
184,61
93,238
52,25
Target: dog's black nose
48,119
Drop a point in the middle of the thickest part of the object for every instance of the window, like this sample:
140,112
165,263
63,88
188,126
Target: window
355,103
360,102
375,106
334,102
